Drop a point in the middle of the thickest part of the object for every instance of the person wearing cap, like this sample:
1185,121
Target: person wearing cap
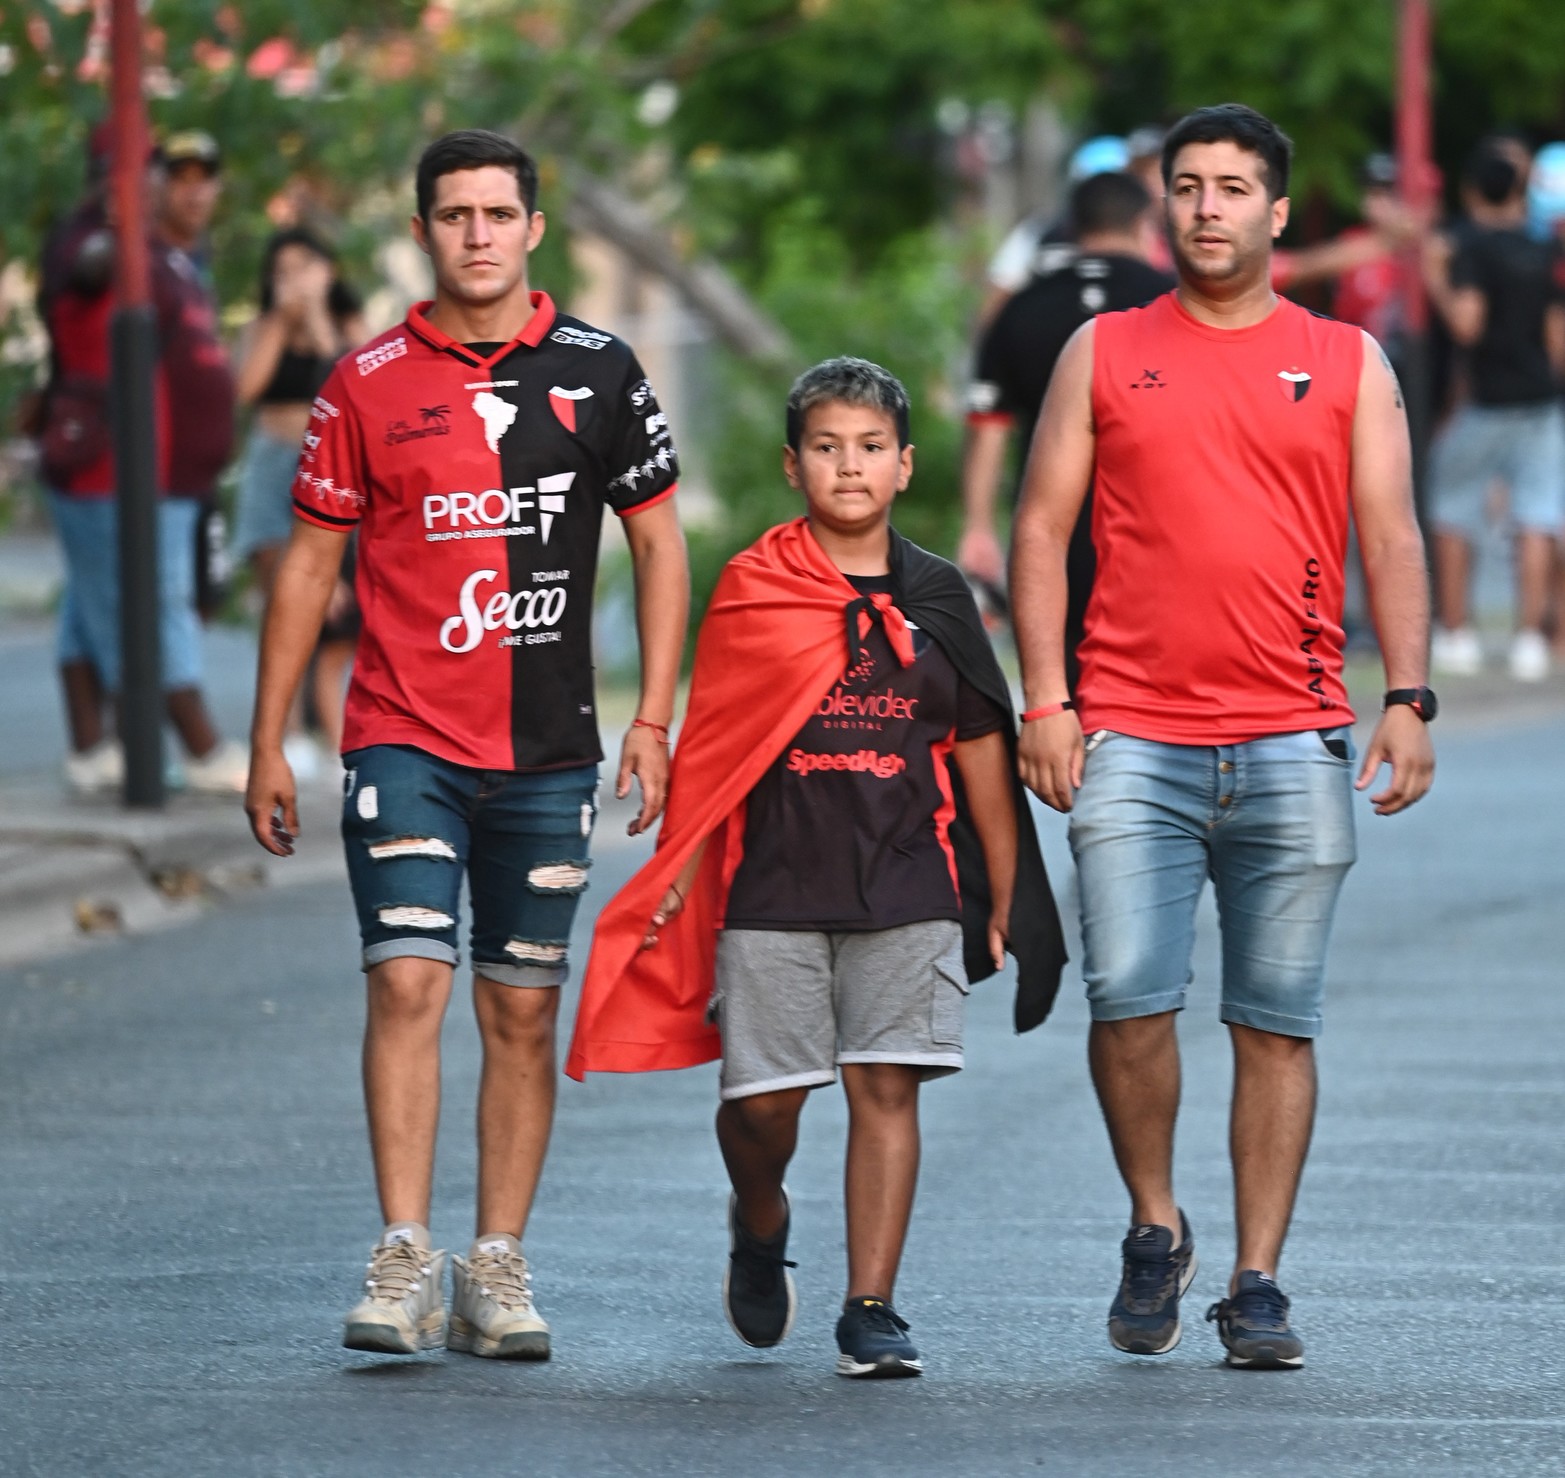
201,382
76,302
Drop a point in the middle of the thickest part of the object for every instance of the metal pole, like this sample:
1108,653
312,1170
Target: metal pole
132,400
1416,183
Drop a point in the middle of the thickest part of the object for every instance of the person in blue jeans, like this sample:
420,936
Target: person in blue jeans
1227,434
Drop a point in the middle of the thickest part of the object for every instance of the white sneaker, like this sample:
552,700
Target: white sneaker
90,771
223,770
492,1311
1529,660
403,1309
1457,653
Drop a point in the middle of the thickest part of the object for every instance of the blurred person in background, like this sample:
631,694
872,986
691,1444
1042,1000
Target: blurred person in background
76,462
1045,240
1501,295
1546,221
201,384
1115,234
309,318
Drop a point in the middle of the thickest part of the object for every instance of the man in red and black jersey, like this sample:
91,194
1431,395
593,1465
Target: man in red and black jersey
473,448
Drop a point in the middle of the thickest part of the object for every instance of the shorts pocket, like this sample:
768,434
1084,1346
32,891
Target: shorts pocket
948,1000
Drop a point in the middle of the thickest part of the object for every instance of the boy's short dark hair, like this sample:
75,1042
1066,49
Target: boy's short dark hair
853,382
475,148
1112,201
1233,123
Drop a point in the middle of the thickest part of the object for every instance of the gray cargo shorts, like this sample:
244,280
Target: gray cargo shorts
793,1004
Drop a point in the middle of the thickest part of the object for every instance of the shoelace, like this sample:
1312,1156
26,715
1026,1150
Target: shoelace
882,1318
395,1270
504,1277
1261,1307
1150,1283
759,1270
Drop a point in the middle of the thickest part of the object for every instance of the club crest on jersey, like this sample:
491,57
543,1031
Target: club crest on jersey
563,403
1295,384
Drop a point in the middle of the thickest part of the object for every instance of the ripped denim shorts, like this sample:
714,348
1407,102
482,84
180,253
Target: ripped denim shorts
413,823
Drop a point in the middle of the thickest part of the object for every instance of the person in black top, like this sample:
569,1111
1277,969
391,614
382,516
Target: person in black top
1016,358
1501,294
841,945
309,318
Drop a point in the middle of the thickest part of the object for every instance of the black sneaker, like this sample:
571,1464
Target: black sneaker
873,1343
758,1293
1144,1317
1253,1325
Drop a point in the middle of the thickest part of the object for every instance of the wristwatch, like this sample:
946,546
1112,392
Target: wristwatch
1421,700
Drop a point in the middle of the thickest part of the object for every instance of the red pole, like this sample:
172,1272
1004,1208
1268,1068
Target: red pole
1415,165
129,113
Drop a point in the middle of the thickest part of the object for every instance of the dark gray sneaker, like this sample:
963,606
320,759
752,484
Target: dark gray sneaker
873,1343
1253,1325
758,1292
1144,1318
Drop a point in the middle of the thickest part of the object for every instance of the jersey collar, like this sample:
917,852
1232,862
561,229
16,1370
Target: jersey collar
531,335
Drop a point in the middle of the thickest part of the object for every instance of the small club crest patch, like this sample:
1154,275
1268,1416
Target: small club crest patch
563,403
1295,384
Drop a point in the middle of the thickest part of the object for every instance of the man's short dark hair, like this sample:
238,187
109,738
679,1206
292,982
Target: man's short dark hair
475,148
1494,176
1114,201
852,382
1233,123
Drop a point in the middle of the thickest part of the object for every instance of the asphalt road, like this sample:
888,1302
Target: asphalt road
187,1205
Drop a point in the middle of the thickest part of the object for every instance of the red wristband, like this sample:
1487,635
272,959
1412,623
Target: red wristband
1048,711
661,730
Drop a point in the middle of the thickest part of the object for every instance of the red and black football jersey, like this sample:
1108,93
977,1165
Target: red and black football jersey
477,482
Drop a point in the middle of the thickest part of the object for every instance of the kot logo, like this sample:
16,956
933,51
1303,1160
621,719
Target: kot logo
563,404
1295,385
498,507
525,609
1151,380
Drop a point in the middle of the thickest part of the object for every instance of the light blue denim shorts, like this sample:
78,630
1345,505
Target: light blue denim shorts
90,626
1522,445
1270,822
263,516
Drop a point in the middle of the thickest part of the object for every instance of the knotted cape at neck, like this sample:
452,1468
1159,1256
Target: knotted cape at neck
783,625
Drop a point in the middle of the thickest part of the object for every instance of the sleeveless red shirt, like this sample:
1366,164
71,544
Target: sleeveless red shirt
1221,520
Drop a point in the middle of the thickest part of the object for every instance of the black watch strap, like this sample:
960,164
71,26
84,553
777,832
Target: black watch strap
1421,700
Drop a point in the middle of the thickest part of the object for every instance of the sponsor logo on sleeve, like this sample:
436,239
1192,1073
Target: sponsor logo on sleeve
326,491
381,354
983,396
580,338
657,426
640,394
323,410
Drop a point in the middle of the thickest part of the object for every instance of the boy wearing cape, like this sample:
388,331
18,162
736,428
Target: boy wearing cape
827,883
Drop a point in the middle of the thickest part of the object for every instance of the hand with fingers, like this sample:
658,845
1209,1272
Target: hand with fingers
1401,740
670,908
1049,756
644,754
271,802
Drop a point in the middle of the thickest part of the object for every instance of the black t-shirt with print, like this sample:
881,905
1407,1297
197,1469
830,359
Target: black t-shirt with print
848,828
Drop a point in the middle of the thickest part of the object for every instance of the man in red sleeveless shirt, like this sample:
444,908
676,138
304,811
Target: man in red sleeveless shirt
1229,433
